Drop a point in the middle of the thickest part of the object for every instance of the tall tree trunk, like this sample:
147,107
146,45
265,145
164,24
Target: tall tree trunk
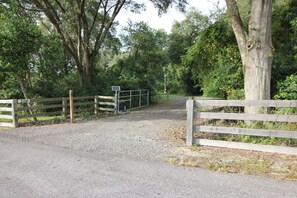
84,67
87,63
80,73
25,94
255,47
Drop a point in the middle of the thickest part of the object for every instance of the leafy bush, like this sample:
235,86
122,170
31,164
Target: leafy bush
287,89
236,94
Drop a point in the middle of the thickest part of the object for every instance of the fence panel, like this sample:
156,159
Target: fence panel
39,110
7,114
204,118
106,104
30,111
132,99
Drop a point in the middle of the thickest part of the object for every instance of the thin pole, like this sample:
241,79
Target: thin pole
64,103
96,105
71,106
139,98
14,113
116,98
130,104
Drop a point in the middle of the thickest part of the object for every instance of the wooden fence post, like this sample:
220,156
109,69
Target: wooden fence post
71,105
190,121
64,108
148,98
130,103
14,113
116,102
139,98
96,105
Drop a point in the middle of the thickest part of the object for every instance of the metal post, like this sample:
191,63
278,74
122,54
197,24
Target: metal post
190,122
15,122
71,106
64,109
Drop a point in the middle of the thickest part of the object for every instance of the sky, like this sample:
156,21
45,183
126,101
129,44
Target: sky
166,20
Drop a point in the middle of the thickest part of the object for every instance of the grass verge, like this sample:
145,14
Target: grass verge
272,165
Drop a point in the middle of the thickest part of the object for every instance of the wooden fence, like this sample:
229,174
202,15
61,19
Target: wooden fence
196,114
14,112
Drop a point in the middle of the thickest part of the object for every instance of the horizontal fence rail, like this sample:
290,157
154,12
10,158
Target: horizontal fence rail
132,99
105,103
7,113
202,112
17,112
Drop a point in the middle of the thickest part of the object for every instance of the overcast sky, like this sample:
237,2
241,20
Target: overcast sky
165,22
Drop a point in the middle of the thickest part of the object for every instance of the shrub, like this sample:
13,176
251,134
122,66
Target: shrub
287,89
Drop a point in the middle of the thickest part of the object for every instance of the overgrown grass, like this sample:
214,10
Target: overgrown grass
160,99
237,161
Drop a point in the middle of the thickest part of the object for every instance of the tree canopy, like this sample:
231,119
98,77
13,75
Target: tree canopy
50,46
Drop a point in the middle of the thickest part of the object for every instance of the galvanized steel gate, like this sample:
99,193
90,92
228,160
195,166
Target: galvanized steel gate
132,99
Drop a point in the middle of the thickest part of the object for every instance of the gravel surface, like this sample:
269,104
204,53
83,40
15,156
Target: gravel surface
118,156
137,135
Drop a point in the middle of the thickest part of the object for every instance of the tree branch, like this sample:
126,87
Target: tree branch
106,27
51,14
95,16
237,25
60,6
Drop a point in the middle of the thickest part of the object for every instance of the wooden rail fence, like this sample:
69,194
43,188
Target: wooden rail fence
12,112
195,113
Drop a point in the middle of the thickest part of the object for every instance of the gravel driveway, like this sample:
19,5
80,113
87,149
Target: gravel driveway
137,135
118,156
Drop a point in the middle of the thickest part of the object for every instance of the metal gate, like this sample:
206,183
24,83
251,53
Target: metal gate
132,99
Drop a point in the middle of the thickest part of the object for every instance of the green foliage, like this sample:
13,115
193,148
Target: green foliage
284,40
198,56
176,79
287,89
183,35
215,61
224,82
19,41
19,38
141,66
294,27
268,140
53,68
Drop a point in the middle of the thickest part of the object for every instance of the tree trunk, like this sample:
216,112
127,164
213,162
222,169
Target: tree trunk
25,94
86,61
256,49
84,67
80,73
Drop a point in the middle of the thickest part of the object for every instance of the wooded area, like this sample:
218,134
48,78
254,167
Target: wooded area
51,46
